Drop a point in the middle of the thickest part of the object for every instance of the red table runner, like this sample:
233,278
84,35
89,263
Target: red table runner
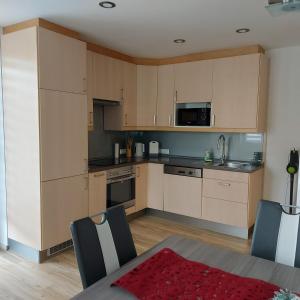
167,276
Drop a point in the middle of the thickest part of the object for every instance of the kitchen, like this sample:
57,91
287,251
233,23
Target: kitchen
185,138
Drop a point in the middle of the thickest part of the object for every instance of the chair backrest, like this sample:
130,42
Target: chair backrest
102,248
276,234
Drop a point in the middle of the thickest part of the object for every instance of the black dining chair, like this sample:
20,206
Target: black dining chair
276,234
101,248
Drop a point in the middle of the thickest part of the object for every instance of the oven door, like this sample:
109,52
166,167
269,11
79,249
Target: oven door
121,191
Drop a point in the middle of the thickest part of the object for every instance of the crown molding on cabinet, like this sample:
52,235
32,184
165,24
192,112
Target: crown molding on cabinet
136,60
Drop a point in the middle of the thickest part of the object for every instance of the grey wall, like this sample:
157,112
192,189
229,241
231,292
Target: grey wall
3,217
241,146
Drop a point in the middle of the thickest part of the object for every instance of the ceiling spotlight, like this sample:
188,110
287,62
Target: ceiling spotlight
242,30
179,41
107,4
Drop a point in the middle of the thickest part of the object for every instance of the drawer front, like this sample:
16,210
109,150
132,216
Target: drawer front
225,190
226,175
224,212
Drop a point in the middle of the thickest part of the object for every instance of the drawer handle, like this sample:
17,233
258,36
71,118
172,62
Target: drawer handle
99,175
224,183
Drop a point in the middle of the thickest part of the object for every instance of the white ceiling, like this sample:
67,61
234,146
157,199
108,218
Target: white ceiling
147,28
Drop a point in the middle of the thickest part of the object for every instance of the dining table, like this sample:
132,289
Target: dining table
214,256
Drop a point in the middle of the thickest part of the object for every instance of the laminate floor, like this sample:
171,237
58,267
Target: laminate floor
58,277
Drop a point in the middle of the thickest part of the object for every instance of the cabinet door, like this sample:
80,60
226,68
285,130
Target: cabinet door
155,191
90,89
108,78
146,95
182,195
63,201
235,86
141,187
63,134
193,81
165,95
97,192
130,97
62,62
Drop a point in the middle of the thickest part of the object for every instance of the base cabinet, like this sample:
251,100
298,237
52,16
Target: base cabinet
231,197
141,187
63,201
97,193
155,197
182,195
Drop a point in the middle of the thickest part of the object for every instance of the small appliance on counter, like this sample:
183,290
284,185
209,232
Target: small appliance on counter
139,149
117,150
153,148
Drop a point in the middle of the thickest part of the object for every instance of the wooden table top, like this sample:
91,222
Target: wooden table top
227,260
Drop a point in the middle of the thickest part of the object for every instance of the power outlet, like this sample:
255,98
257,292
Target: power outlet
122,151
164,151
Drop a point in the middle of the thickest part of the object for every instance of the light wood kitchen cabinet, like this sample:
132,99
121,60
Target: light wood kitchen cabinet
97,192
239,92
165,96
231,197
141,187
63,134
108,78
63,201
155,198
182,195
193,81
118,117
90,89
62,62
146,95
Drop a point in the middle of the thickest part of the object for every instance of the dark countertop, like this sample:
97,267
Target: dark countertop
169,160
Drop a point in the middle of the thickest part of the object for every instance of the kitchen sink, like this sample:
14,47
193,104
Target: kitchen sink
235,165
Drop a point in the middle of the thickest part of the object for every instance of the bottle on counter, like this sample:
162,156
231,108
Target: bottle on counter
117,151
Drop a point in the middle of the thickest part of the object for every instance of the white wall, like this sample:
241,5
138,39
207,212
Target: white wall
283,119
3,217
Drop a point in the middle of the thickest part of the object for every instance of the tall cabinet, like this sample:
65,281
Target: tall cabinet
45,123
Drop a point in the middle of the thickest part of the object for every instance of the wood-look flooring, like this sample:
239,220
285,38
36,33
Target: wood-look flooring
58,277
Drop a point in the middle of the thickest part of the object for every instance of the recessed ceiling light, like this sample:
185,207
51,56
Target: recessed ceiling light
179,41
107,4
242,30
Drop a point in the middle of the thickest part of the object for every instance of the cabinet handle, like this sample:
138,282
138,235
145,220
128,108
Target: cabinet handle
86,183
137,171
176,96
99,175
224,183
154,119
125,119
84,84
213,119
122,94
91,115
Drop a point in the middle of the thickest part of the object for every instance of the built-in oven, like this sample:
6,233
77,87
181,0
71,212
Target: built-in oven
193,114
121,187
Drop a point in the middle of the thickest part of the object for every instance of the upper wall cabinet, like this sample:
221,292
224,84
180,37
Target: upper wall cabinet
62,62
193,81
108,78
146,95
165,96
239,92
116,117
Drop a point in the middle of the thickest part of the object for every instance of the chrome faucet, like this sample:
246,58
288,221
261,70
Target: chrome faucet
221,147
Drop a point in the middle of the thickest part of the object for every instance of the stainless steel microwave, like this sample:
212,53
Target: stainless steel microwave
193,116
